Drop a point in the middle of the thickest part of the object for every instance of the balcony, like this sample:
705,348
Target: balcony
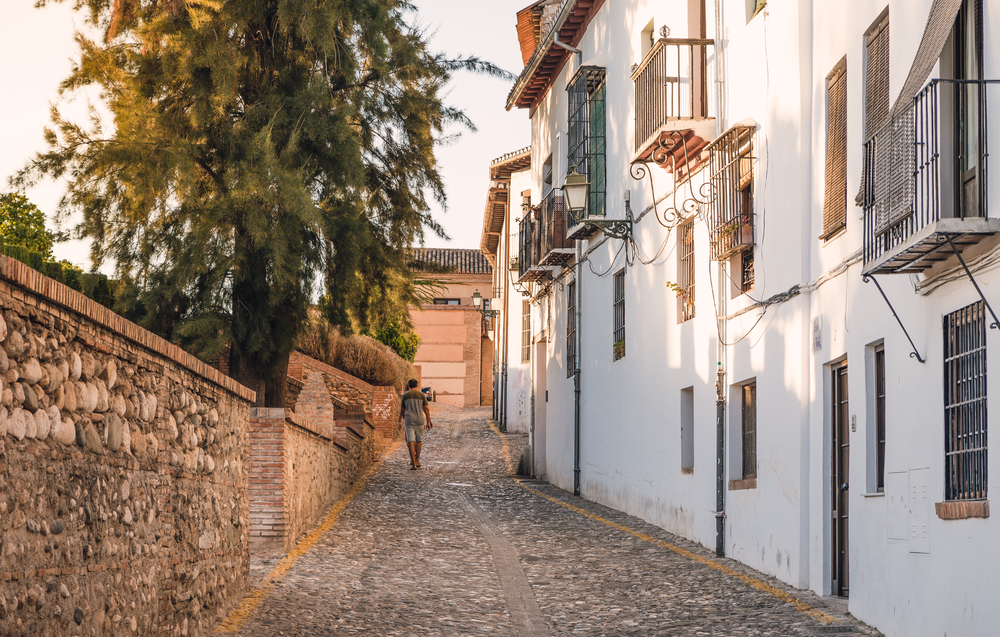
925,183
529,251
673,118
731,214
556,248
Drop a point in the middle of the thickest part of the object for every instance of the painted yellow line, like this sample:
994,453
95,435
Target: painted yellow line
777,593
249,605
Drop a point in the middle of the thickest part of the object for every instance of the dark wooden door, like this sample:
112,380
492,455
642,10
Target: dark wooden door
841,463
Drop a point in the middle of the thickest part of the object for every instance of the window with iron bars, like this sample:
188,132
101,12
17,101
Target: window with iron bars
748,427
730,216
880,418
685,272
586,134
747,277
525,331
965,403
619,312
570,329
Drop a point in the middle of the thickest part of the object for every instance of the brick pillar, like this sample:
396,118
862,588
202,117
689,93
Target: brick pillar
268,504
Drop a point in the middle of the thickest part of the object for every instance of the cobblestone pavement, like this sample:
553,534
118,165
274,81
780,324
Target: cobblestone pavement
460,548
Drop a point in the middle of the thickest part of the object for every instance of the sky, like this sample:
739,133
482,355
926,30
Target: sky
37,49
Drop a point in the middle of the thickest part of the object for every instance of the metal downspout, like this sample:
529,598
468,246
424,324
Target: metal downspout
576,372
720,387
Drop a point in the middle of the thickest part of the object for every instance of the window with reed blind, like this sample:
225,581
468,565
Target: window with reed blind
876,95
525,331
835,193
685,272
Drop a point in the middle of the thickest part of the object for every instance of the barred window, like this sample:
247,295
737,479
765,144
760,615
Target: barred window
748,427
525,331
587,133
730,217
685,272
747,276
835,192
880,418
571,330
619,311
965,403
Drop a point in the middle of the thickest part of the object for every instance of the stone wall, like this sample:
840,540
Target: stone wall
298,471
123,489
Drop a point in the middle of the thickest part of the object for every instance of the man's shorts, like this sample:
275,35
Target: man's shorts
414,433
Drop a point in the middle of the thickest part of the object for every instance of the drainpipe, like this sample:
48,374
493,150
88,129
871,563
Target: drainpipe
571,49
576,372
720,380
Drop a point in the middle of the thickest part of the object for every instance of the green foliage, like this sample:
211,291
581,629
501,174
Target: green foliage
94,285
401,340
259,150
23,224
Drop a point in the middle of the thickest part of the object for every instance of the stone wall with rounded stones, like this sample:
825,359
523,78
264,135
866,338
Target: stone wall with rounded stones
123,485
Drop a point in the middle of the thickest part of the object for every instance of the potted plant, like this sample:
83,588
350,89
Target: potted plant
619,349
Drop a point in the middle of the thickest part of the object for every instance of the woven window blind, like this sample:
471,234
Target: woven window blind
877,79
835,194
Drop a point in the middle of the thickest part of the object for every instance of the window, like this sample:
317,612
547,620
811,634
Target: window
748,422
447,302
754,7
685,272
571,330
970,133
525,331
965,403
687,430
880,418
877,77
835,193
586,149
619,311
731,217
747,278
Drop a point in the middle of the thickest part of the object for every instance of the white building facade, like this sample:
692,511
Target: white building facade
768,329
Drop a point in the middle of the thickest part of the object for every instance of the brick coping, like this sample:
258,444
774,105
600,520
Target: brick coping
26,278
962,509
339,373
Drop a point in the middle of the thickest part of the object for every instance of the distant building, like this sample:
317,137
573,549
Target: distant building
456,350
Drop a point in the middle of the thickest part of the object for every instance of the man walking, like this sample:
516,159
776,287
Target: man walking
412,412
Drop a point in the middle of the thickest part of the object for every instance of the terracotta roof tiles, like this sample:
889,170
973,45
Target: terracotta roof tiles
456,260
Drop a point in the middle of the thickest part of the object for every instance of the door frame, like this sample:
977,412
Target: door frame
839,437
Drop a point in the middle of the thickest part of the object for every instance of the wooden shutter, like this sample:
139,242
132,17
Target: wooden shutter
877,79
835,194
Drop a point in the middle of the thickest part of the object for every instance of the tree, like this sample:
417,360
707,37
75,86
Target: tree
23,224
260,149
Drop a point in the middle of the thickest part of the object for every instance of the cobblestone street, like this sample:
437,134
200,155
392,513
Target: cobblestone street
459,547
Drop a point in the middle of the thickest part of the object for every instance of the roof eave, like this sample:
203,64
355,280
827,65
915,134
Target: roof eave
540,52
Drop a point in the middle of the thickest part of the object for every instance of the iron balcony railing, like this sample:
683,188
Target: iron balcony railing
927,162
671,83
552,215
730,213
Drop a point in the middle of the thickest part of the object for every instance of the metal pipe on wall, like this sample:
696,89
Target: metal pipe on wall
720,389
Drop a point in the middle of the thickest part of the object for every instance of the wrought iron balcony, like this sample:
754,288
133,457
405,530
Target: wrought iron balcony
556,248
925,182
529,250
673,118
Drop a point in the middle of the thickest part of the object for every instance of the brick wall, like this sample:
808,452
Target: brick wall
124,505
298,470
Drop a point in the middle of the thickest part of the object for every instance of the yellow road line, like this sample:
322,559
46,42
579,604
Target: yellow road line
249,605
777,593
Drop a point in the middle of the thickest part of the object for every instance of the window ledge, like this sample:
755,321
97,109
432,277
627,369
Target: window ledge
687,471
832,235
962,510
743,485
876,494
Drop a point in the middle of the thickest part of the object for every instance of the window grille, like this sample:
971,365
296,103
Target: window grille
747,278
731,218
880,419
835,193
525,331
749,430
965,403
587,134
685,273
571,330
619,311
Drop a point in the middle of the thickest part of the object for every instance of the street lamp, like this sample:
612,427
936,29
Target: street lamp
477,300
575,191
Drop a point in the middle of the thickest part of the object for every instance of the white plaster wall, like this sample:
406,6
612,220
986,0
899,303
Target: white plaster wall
775,72
518,374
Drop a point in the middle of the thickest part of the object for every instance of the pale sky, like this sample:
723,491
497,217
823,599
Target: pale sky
36,49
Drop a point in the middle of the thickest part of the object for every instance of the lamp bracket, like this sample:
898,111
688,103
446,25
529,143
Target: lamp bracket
614,228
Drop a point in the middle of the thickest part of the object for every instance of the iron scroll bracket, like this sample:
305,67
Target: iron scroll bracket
614,228
996,322
914,354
